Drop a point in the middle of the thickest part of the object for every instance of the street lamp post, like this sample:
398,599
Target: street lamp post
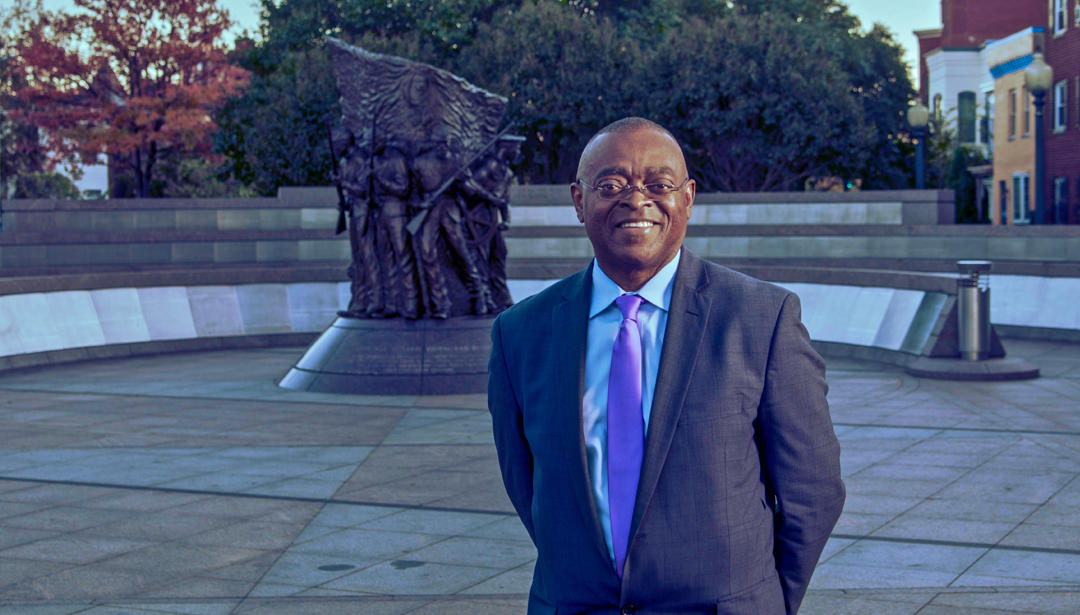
918,116
1039,77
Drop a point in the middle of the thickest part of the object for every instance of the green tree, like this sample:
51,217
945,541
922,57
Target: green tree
880,82
579,74
963,183
275,134
45,185
196,177
757,116
20,144
873,62
763,93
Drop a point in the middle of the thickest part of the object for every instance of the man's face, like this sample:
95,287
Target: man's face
634,234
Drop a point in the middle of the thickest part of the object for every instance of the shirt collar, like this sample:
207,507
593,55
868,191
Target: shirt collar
656,291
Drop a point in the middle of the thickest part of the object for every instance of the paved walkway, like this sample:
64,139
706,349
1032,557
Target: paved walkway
191,484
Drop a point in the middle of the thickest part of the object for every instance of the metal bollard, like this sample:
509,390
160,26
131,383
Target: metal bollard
973,310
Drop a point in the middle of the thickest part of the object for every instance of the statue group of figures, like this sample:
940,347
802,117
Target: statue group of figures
425,181
416,236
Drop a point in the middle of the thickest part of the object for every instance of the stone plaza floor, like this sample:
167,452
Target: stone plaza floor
190,483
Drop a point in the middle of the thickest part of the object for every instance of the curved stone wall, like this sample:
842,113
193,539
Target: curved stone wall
84,279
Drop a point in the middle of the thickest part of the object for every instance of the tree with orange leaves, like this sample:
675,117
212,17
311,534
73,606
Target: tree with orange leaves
135,80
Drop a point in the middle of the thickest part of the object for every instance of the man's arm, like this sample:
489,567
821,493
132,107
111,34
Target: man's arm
515,458
801,453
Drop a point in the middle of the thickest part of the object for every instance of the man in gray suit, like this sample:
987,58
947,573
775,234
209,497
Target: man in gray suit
660,420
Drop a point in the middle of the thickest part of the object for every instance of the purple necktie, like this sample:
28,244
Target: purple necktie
625,426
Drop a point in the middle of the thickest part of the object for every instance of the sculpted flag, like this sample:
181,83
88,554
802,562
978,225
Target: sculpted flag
421,212
409,101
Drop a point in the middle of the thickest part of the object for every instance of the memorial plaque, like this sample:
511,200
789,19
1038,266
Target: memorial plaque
396,357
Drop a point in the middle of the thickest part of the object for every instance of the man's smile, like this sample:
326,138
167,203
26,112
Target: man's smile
641,224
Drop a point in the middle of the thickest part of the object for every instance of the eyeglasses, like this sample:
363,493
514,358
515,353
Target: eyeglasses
610,189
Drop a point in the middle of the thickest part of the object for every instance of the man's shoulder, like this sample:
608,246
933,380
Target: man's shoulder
733,283
545,300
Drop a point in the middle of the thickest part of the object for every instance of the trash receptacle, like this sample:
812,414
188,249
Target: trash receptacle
973,310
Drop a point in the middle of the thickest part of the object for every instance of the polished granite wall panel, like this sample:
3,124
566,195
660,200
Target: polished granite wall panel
1033,301
234,252
74,318
277,251
313,306
156,220
725,247
215,310
863,316
196,219
10,344
564,247
898,318
120,315
189,252
264,308
312,250
237,219
318,218
279,219
167,311
31,323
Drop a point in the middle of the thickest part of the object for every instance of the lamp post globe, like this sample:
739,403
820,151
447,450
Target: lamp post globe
1039,78
918,116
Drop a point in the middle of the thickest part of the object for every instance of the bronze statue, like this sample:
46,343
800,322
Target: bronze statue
425,169
486,199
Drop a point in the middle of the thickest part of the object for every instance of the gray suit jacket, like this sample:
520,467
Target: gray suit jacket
740,483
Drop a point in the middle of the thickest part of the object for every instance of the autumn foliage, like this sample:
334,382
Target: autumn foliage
133,79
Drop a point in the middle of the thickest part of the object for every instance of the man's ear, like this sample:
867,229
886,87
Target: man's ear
578,196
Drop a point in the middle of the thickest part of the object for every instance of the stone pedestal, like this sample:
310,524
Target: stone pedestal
396,357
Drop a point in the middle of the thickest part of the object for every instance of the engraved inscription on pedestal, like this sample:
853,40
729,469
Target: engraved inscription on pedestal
402,357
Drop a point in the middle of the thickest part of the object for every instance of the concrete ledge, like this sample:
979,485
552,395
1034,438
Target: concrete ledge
120,351
989,370
1038,333
40,323
61,279
840,350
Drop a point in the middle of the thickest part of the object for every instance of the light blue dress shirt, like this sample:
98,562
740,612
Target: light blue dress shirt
604,321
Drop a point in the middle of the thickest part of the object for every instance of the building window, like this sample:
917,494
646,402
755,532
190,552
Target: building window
1074,217
1061,200
1021,184
936,115
1060,105
965,105
1003,199
987,123
1076,13
1025,99
1060,16
1012,114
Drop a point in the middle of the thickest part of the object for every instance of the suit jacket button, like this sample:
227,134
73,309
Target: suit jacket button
629,609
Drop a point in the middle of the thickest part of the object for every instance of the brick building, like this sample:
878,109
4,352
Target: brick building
954,80
1013,126
1063,112
972,79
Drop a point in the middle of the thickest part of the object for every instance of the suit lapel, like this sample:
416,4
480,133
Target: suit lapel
687,318
570,321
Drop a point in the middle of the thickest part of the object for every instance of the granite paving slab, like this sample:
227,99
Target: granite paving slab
189,483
